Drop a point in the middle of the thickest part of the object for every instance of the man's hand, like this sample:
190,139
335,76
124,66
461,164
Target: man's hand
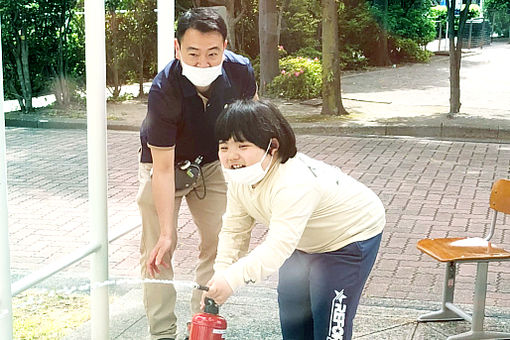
163,246
219,290
163,193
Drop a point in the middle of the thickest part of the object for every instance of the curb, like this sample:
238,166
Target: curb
64,123
444,131
495,134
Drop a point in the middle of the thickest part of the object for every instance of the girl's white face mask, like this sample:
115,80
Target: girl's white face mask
201,76
249,175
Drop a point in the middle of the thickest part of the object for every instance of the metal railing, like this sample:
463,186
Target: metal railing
42,274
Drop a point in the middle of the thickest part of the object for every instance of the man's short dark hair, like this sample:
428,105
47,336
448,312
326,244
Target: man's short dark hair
202,19
257,122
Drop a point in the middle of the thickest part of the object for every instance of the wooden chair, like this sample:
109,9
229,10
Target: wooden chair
469,249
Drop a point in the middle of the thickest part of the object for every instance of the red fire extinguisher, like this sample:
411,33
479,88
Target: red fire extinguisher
208,325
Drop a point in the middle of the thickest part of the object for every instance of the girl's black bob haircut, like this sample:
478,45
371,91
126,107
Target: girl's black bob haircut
257,122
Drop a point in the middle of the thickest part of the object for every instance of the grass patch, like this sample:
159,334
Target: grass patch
48,315
52,111
317,118
75,111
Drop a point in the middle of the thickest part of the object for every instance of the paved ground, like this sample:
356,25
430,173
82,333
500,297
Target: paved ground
430,187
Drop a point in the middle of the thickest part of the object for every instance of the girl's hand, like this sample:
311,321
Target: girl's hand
219,289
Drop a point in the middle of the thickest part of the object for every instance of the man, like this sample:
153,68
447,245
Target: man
184,101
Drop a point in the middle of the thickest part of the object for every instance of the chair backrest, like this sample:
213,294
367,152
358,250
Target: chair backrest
500,196
499,201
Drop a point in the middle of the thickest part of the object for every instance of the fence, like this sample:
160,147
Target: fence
477,33
500,20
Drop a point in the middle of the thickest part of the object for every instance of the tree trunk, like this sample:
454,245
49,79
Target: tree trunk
331,86
268,22
115,56
22,68
383,57
454,70
61,87
26,72
19,71
284,5
455,48
231,16
141,62
141,56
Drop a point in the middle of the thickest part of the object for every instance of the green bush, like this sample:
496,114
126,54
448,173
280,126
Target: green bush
407,50
474,11
498,12
352,59
299,78
281,51
357,34
439,13
300,25
411,24
309,52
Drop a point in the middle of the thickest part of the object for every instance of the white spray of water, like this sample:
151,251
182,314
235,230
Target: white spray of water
119,282
88,287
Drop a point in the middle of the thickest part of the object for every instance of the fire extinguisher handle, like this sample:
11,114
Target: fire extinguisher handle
211,306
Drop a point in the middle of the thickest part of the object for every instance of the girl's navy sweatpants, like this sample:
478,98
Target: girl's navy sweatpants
318,294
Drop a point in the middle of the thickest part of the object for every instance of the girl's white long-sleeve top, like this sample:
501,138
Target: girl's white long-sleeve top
307,205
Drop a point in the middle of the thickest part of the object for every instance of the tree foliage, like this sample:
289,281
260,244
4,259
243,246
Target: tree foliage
360,28
43,40
498,11
40,45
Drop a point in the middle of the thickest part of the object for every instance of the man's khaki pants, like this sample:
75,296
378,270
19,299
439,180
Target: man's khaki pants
159,299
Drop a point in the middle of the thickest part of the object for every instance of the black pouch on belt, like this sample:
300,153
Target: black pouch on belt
187,173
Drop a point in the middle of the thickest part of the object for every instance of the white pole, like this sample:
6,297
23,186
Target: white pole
166,18
95,62
5,262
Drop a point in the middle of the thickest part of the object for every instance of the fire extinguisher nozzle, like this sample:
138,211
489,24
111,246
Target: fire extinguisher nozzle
200,287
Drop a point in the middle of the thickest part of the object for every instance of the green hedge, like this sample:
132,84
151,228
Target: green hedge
407,50
299,78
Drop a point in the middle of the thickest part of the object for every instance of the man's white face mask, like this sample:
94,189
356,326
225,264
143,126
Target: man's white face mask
201,76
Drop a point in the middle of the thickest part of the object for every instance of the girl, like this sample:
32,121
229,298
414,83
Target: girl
324,226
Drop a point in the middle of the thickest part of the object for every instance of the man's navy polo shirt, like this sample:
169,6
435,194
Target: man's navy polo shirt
176,115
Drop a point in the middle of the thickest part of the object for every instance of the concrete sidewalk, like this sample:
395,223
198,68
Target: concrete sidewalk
252,313
434,183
